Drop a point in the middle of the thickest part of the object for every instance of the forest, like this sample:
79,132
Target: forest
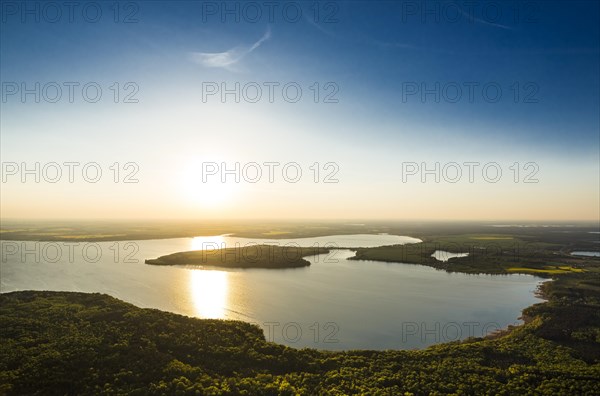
77,343
247,256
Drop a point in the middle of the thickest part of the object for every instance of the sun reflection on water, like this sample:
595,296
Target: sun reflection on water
208,242
209,290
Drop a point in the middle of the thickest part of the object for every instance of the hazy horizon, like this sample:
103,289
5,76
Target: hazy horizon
350,221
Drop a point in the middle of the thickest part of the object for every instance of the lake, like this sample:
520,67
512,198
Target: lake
443,256
586,253
334,304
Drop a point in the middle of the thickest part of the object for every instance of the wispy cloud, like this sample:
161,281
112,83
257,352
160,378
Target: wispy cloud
228,59
473,18
319,27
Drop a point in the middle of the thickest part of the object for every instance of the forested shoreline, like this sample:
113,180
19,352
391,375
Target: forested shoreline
78,343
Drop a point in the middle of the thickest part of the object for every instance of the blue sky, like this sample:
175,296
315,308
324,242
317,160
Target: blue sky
371,51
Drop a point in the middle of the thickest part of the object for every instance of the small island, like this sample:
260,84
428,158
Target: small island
250,256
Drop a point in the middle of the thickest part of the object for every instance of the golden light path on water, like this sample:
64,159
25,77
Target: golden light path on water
209,291
209,288
208,242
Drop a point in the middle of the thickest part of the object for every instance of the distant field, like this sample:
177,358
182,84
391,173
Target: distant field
547,270
120,231
491,238
576,238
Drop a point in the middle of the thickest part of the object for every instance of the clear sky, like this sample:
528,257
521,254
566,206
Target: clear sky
387,88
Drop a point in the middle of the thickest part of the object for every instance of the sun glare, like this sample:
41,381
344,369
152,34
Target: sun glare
210,190
209,293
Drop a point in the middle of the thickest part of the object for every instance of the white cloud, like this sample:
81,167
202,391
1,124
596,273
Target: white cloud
228,59
479,20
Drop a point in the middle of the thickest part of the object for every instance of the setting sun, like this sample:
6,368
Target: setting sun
206,190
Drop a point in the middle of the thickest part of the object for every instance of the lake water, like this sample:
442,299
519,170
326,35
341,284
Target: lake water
586,253
335,303
442,255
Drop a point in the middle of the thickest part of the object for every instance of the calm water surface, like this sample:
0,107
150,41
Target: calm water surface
334,304
442,255
586,253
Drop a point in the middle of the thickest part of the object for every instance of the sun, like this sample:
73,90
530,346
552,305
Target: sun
210,192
